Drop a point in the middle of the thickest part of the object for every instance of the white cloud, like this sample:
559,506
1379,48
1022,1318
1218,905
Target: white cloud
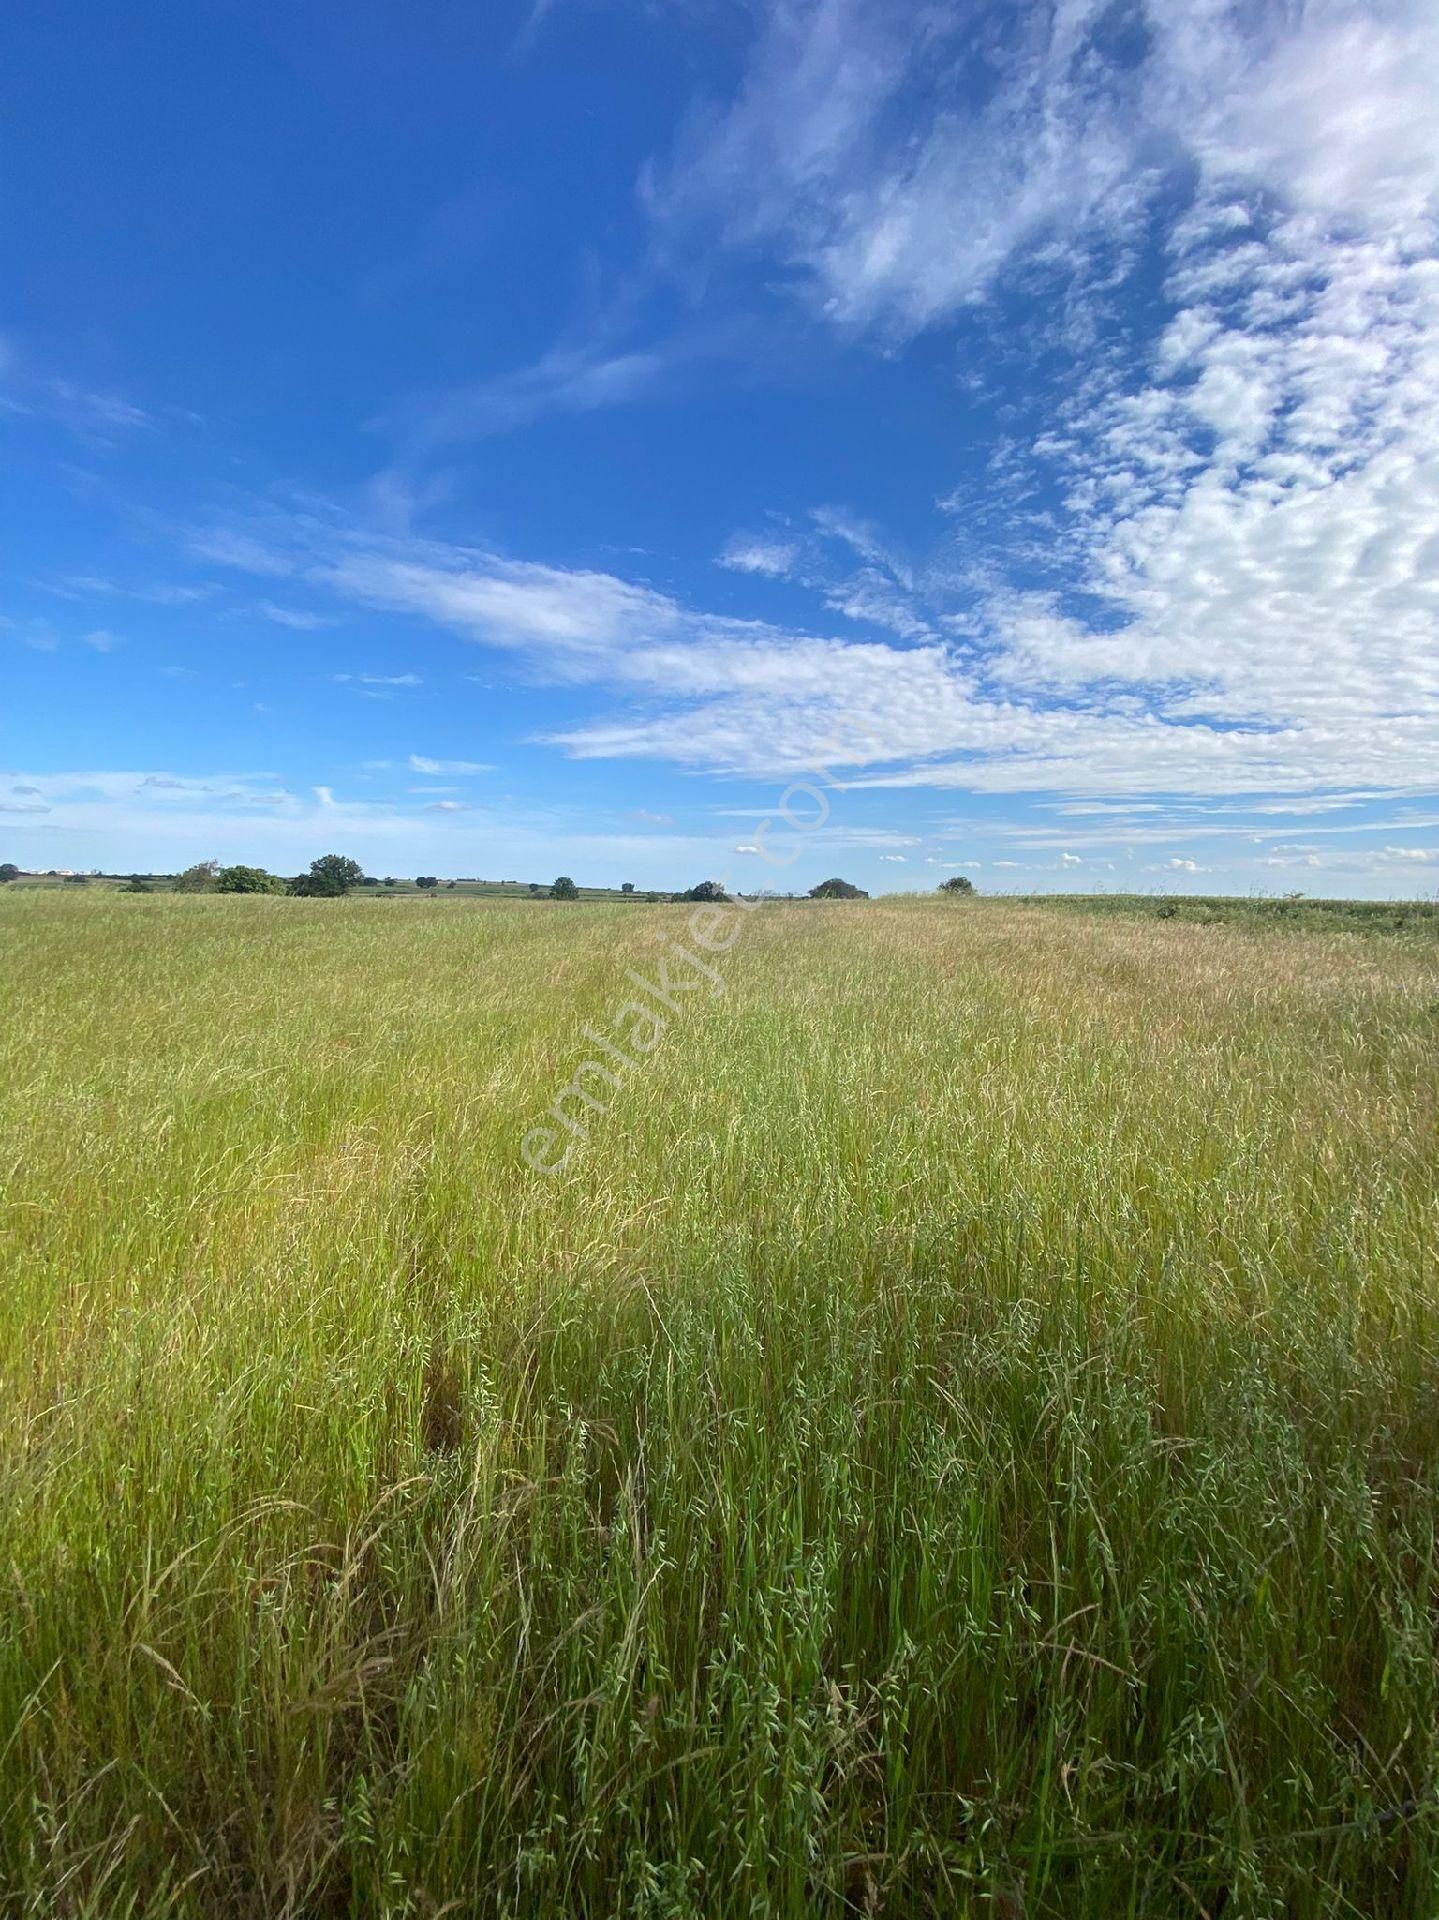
871,596
379,679
1045,705
1335,110
882,591
900,161
607,368
1260,511
117,820
231,547
569,379
746,553
298,618
160,593
884,219
92,415
34,633
1249,498
238,793
422,763
865,540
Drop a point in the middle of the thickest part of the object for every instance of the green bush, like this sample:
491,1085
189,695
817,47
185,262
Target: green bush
247,880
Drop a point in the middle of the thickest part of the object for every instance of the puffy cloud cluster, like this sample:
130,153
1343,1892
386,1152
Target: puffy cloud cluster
1245,561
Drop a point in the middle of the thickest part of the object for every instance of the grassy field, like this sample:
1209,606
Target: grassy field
962,1436
1295,912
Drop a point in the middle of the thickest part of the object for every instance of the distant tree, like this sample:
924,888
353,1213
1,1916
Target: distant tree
198,879
837,890
450,885
627,886
391,881
957,885
8,872
247,880
329,877
75,879
137,883
564,889
535,887
651,899
706,890
426,880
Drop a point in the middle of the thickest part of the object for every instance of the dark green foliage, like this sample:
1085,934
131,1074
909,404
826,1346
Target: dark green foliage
958,885
837,889
427,880
564,889
329,876
247,880
200,878
706,890
442,1407
8,872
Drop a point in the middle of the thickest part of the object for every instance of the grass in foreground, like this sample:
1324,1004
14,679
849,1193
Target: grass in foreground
961,1440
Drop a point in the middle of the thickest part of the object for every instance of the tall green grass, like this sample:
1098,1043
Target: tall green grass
963,1437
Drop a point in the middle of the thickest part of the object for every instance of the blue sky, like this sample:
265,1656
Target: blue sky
510,440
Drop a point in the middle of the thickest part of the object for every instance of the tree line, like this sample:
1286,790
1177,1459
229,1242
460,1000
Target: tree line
334,874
